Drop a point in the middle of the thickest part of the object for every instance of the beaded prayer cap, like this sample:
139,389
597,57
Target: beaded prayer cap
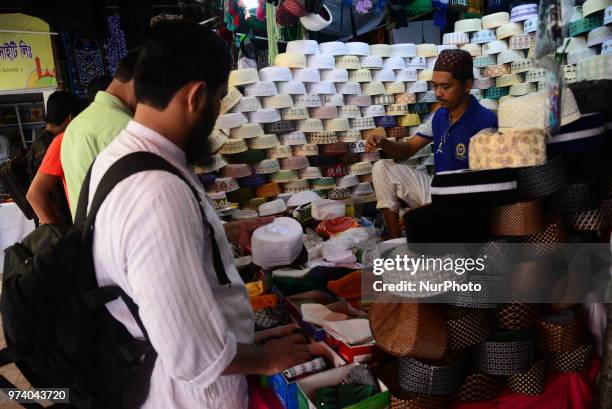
457,62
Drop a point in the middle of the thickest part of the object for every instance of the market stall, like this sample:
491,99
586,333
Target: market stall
291,142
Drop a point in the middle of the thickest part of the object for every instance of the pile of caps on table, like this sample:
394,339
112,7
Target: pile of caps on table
304,276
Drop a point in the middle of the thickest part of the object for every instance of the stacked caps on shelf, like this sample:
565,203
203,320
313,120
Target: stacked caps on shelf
502,45
303,123
588,50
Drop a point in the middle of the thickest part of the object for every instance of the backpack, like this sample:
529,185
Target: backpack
15,177
57,328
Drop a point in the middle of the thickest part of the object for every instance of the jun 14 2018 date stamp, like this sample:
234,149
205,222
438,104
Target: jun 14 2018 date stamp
55,395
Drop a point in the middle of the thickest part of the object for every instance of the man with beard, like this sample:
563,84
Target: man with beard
449,129
152,240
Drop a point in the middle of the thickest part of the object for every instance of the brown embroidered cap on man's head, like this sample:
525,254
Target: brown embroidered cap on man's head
457,62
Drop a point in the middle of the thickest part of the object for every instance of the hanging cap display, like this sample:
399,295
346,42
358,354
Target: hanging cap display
317,21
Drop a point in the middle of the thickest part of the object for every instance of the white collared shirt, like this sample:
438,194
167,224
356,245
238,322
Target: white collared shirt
150,240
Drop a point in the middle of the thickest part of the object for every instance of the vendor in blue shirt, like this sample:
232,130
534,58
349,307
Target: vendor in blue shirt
449,129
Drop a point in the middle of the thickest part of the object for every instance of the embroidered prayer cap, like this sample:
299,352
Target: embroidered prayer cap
349,88
457,62
247,131
324,112
264,116
427,50
230,100
495,20
317,21
456,38
334,100
274,207
372,61
278,243
396,87
334,48
395,63
348,62
231,120
373,88
243,77
322,61
380,50
267,141
303,47
336,125
310,172
294,138
323,87
483,36
247,104
217,138
358,48
275,74
530,25
261,89
335,75
404,50
309,74
468,25
475,50
523,12
508,30
406,75
277,102
593,6
384,75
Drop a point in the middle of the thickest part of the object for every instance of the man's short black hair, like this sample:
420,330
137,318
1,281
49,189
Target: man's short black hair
95,85
177,52
61,104
127,66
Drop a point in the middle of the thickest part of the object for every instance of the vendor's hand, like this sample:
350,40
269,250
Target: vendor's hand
284,353
373,142
248,226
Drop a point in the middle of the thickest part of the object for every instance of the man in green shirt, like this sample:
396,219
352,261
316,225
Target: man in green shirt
94,128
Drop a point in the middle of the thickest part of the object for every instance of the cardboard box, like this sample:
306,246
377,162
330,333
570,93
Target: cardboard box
318,333
352,353
286,390
295,310
309,385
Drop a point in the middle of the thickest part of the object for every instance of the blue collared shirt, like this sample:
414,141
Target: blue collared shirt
451,142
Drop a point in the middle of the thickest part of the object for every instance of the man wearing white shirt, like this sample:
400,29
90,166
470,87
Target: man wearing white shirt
150,238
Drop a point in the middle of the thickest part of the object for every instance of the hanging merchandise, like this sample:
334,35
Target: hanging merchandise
554,20
115,47
363,6
317,21
440,12
272,31
419,7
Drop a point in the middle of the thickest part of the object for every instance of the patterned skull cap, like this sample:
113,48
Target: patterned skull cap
457,62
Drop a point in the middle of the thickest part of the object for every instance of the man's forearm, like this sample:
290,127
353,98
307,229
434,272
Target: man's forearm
397,150
232,231
43,207
248,360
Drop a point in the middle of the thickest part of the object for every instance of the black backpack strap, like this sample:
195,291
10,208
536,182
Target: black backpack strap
127,166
